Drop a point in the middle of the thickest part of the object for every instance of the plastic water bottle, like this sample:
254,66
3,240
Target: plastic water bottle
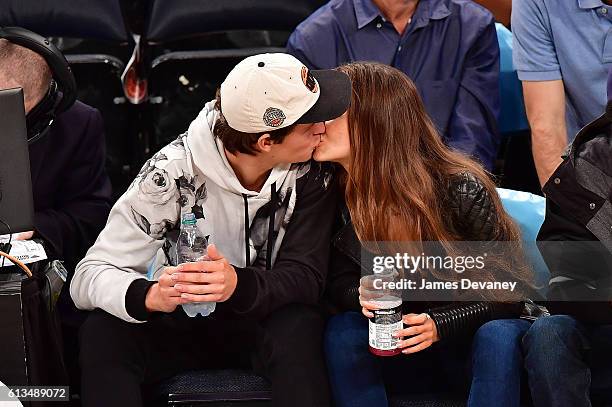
191,247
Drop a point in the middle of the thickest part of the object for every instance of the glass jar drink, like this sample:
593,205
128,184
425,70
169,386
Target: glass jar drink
386,321
380,290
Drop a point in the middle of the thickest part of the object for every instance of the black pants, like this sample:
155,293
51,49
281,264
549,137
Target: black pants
119,358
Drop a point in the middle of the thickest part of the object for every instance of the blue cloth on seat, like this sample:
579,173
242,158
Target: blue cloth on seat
512,117
528,211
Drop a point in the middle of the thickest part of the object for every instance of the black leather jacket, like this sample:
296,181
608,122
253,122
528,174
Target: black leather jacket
472,216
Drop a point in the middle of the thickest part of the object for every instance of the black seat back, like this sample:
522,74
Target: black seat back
169,20
95,19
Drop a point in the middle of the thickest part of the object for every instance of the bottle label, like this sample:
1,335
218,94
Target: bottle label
382,326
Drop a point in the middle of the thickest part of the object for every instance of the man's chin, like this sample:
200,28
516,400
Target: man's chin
317,156
311,155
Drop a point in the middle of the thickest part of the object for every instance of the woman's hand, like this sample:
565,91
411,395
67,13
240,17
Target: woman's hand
366,304
421,333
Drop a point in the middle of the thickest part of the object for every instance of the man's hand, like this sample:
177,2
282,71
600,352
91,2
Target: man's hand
421,334
162,296
212,280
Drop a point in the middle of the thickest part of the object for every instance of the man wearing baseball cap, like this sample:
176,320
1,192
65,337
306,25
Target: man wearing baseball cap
243,169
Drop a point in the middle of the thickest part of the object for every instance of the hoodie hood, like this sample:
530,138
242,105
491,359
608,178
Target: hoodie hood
207,157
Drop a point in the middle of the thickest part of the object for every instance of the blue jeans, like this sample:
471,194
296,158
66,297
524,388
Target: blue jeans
358,378
497,363
568,363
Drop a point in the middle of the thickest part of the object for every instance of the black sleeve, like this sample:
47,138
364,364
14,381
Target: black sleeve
300,271
84,201
135,299
463,319
574,267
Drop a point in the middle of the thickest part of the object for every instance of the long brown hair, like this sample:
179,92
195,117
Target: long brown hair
399,168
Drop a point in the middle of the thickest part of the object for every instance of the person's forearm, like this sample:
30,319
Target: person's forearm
548,145
545,107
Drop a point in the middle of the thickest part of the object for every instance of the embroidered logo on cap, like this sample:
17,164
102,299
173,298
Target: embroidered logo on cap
309,80
274,117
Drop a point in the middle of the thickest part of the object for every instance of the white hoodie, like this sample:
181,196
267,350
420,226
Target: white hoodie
191,174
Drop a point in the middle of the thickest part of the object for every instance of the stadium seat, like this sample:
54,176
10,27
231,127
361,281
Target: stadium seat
227,388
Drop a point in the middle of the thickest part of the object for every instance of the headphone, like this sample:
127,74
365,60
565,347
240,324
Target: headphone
62,91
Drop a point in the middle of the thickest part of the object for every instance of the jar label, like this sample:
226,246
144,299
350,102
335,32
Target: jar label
382,326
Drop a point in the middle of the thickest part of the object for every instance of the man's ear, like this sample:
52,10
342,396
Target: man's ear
264,143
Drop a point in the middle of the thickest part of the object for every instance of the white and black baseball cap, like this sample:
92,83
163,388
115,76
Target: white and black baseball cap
267,92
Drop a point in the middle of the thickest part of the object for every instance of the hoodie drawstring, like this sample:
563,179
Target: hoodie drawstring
271,227
272,216
246,230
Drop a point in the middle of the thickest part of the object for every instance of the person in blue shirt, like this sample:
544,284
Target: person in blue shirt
562,52
448,48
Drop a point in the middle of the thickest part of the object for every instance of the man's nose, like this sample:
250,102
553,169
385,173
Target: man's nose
318,128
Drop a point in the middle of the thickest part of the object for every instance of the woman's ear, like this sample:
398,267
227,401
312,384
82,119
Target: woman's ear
264,143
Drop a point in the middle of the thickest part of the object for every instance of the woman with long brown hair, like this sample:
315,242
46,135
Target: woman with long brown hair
403,184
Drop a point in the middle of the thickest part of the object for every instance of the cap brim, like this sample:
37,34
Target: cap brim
335,97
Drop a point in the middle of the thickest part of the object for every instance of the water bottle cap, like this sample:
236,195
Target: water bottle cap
189,219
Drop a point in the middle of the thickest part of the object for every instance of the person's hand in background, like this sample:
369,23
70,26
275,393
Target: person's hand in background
24,235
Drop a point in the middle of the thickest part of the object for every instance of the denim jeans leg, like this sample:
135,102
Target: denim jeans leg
355,374
555,350
497,363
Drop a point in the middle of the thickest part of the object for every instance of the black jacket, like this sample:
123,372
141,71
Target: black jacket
576,237
473,216
72,192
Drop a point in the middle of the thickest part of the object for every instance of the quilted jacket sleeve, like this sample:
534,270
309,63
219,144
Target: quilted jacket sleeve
474,219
